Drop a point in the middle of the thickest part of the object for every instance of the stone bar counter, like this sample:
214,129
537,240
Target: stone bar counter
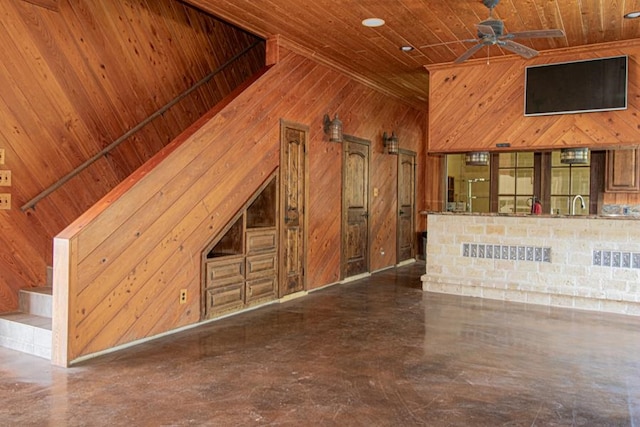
583,262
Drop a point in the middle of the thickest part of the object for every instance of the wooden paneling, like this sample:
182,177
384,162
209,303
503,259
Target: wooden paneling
137,248
475,106
331,31
78,74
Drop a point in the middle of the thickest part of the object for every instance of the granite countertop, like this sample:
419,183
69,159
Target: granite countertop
604,216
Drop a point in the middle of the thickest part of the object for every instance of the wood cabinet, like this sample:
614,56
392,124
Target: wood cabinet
240,267
622,171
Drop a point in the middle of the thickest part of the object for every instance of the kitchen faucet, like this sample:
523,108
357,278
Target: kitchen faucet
573,203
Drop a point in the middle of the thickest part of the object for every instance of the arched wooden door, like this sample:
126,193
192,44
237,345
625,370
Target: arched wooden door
355,207
406,248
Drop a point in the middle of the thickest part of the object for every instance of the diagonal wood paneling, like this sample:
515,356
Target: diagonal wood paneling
76,77
331,31
477,105
133,251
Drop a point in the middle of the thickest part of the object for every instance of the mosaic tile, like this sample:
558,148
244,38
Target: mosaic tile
529,253
626,260
597,258
635,260
615,259
506,252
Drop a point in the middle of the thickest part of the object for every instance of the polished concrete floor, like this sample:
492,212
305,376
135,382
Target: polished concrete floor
374,352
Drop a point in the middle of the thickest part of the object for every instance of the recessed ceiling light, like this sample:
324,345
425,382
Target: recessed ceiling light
406,48
632,15
373,22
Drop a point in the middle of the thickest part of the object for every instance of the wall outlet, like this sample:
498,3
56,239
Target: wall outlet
5,201
5,178
1,156
183,296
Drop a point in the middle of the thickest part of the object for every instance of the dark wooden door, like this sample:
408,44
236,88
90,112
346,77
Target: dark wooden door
406,206
293,191
355,208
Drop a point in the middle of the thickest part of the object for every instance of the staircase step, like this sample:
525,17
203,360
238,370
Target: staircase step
27,333
37,301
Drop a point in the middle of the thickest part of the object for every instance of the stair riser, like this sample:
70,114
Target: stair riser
39,304
25,338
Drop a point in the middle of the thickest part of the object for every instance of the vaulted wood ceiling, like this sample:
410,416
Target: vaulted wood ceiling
331,30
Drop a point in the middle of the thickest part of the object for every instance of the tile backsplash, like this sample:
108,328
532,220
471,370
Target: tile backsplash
625,210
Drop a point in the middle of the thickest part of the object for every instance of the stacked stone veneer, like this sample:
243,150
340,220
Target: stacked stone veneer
555,261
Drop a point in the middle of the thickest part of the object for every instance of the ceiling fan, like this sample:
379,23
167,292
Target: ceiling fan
491,32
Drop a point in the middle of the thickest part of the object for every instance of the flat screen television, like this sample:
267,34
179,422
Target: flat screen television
576,87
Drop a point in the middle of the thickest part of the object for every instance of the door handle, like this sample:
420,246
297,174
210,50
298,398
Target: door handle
366,214
401,212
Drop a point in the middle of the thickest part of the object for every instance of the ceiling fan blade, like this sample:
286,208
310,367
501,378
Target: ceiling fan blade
534,34
470,52
522,50
485,30
450,42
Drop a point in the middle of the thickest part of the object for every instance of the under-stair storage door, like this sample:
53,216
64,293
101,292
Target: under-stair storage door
225,285
240,266
261,265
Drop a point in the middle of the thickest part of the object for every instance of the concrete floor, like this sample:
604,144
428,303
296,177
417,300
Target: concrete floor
374,352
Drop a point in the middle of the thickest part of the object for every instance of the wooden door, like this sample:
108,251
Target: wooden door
293,199
355,207
406,248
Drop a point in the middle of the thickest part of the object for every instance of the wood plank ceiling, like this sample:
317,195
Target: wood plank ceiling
331,31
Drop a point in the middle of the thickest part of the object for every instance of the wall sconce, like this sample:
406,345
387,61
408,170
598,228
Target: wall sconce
333,128
477,158
390,142
574,156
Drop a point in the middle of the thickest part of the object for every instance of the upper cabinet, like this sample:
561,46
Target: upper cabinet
622,171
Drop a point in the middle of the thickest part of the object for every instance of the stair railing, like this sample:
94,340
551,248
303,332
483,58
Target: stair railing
32,203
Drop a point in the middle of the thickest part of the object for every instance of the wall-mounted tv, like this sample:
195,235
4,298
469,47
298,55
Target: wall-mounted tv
576,87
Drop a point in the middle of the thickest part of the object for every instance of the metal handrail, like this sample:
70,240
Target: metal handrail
32,203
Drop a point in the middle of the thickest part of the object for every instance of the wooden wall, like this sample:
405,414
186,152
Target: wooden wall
75,76
120,267
476,105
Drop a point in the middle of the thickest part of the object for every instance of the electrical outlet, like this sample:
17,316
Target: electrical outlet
1,156
5,201
183,296
5,178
